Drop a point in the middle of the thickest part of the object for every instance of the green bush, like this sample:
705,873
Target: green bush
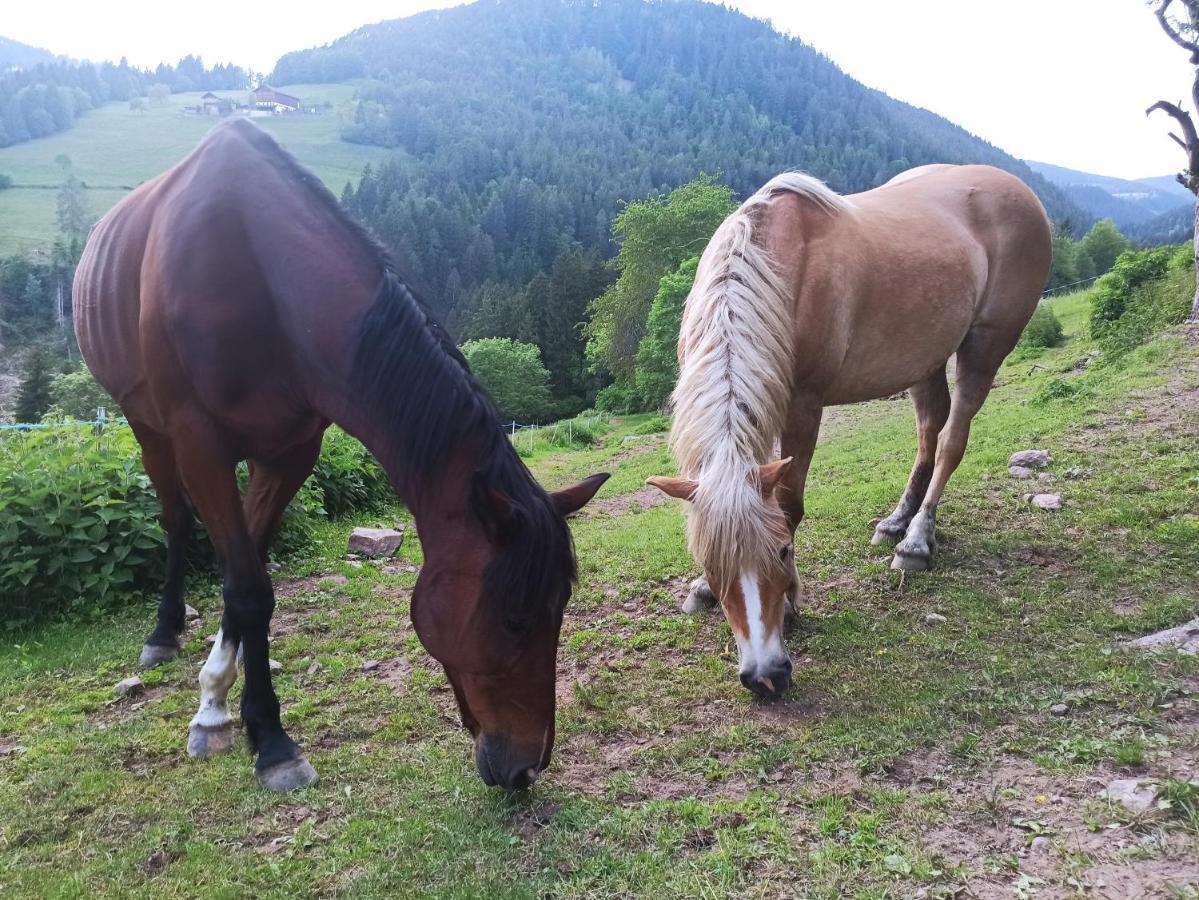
77,395
515,377
1043,330
79,527
653,426
1054,390
348,478
1113,293
1146,292
618,399
562,436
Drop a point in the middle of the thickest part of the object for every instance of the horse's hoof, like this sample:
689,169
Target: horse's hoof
287,776
204,741
887,536
700,598
155,655
909,562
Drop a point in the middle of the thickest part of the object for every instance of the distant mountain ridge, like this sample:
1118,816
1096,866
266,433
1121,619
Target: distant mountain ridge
524,124
1155,210
15,55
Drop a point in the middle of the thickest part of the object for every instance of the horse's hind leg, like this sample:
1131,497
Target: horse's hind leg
931,399
158,457
978,359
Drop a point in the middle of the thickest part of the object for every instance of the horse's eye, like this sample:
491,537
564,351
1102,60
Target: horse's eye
784,552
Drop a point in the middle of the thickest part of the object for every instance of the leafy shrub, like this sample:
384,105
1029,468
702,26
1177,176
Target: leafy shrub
653,426
77,395
618,399
1113,293
348,478
563,436
1155,291
658,356
79,528
1054,390
1043,330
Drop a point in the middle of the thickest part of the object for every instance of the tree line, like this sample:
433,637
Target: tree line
45,99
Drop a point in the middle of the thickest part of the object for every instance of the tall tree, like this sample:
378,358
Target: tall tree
1184,31
33,396
72,214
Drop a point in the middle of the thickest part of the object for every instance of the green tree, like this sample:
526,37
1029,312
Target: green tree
1065,258
77,395
1103,244
655,236
657,357
515,377
33,396
71,214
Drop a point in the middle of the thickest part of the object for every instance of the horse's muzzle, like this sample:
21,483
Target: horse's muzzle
499,766
768,681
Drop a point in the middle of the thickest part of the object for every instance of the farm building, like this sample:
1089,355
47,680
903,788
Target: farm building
267,98
212,105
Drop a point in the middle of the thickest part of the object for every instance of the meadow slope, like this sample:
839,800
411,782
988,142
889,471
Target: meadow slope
962,757
113,149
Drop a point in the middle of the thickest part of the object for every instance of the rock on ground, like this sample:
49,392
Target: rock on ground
1045,501
1021,472
1032,459
1130,793
375,543
129,687
190,613
275,666
935,619
370,665
1184,639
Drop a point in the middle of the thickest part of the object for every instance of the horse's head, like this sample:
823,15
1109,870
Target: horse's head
488,606
738,530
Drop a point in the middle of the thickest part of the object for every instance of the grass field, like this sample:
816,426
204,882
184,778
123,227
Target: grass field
114,148
908,759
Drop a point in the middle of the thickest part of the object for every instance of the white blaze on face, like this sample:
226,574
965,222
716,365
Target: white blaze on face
758,648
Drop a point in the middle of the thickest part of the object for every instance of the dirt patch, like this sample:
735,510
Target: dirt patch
124,709
639,447
645,498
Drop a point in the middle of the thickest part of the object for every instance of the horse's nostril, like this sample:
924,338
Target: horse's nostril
522,779
786,666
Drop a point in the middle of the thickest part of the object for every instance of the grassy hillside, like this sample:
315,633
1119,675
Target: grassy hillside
114,148
909,758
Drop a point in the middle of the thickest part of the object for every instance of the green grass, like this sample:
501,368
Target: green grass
113,149
905,757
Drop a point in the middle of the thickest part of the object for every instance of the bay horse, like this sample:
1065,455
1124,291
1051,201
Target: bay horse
804,299
234,310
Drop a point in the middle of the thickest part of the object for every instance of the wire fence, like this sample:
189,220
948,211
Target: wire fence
1072,284
102,419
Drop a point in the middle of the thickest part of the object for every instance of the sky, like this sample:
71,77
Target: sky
1061,81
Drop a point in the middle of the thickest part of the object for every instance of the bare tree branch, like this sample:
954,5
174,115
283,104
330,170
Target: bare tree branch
1174,34
1183,119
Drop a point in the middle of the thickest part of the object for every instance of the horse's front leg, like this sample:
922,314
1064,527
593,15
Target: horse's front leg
799,443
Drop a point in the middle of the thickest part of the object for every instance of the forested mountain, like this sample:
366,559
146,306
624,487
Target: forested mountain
523,124
1140,205
44,99
15,55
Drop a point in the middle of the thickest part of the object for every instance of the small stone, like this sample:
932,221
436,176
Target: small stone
1059,709
275,666
10,750
1130,793
190,613
1093,354
630,607
210,640
314,668
1078,473
1046,477
935,619
129,687
1021,472
1046,501
1032,459
337,580
274,567
376,543
370,665
390,570
355,564
1041,844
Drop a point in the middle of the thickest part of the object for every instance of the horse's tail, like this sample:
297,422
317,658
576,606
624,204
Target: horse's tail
734,388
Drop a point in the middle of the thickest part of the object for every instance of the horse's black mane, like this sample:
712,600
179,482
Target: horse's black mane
412,377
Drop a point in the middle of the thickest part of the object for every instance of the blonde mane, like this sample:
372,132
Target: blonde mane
734,386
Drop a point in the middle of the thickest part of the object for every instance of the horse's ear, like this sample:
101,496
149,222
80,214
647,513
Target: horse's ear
679,488
572,499
771,474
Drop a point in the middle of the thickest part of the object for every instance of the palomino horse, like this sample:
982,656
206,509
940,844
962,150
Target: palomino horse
805,299
233,310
